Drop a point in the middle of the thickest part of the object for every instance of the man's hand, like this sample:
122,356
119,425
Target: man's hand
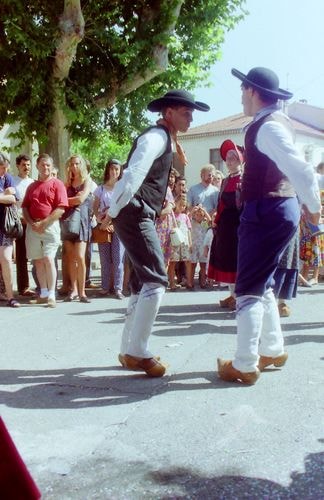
39,226
10,190
106,222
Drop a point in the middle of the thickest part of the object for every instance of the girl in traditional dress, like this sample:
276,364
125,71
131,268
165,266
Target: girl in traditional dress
223,253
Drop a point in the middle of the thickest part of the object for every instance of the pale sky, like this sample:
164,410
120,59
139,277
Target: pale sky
284,35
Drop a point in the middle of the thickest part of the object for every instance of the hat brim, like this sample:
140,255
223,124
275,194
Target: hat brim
163,102
229,145
279,94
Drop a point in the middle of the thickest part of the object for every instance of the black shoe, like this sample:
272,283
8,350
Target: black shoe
85,300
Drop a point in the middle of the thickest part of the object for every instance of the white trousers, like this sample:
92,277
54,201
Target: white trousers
140,316
258,330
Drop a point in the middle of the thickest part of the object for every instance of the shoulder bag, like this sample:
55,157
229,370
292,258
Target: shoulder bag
176,235
71,224
11,224
101,235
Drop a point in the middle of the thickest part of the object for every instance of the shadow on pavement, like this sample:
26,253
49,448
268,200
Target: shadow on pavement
180,309
108,478
94,387
194,329
306,485
301,339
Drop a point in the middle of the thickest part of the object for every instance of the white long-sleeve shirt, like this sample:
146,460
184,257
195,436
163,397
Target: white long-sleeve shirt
275,140
149,147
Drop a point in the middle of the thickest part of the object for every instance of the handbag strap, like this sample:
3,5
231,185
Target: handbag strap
174,219
6,182
102,197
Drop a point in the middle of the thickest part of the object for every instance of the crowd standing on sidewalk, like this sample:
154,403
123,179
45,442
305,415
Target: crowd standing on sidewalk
242,230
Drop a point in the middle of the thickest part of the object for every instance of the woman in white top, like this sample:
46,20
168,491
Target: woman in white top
112,253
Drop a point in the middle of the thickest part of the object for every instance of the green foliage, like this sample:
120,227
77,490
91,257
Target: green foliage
99,151
117,46
28,34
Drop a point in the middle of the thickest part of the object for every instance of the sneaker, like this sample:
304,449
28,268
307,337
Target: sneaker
51,303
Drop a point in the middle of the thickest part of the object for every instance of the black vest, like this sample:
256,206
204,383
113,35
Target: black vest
154,186
262,178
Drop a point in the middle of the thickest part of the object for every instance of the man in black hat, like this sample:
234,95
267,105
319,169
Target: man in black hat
137,200
274,172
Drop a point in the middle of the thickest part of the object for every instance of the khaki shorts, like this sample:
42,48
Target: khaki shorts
45,244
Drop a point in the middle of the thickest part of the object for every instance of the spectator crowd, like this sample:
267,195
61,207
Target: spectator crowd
197,229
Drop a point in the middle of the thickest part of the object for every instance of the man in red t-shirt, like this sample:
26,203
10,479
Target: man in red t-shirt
44,203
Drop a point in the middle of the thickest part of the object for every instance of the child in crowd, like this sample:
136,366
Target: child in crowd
207,243
200,220
181,252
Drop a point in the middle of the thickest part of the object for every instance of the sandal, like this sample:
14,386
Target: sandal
84,299
71,298
13,303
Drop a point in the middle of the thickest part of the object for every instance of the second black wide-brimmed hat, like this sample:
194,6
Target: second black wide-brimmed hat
263,79
177,98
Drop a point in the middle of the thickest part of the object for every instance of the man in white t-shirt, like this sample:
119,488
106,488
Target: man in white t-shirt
22,181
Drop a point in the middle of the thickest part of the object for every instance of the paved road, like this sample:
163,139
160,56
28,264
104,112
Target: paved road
87,429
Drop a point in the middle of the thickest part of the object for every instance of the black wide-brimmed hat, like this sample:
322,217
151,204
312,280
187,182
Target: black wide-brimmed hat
263,79
177,98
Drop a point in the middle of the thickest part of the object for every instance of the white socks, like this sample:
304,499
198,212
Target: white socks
141,313
258,330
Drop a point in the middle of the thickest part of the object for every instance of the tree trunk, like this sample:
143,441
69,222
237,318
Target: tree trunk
59,142
72,32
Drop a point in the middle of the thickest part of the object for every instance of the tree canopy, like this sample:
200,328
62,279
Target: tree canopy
72,68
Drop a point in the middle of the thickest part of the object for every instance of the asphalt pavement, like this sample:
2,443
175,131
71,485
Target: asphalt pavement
88,429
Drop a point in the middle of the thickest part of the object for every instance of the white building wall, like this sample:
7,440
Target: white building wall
305,113
7,142
197,151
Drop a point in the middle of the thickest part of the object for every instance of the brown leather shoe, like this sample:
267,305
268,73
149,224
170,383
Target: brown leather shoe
226,371
265,361
151,366
121,359
229,303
